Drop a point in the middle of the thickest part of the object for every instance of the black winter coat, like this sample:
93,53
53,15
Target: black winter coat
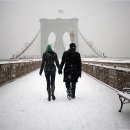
49,59
72,69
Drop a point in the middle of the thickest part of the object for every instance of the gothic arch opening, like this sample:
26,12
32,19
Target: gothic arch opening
66,40
52,40
58,26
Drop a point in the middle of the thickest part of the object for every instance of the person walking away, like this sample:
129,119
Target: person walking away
71,61
49,63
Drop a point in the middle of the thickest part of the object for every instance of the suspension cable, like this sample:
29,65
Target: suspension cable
17,56
90,45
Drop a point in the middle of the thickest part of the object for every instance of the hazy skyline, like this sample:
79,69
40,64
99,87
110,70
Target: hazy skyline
105,23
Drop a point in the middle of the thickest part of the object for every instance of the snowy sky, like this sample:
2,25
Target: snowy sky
106,23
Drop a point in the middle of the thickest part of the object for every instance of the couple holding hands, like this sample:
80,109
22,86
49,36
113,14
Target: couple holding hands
71,62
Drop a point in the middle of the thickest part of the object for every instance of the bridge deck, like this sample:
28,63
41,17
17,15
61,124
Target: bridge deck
24,105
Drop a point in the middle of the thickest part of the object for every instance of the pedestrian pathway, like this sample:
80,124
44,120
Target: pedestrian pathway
24,106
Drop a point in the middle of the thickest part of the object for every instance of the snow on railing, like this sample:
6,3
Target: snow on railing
12,70
115,75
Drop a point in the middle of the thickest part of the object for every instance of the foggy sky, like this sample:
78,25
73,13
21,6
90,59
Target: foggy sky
105,23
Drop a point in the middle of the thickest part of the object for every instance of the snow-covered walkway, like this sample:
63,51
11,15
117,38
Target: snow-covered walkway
24,106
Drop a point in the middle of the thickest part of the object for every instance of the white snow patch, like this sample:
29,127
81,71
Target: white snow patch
24,106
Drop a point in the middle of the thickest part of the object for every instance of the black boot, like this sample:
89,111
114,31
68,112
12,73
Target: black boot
53,97
69,94
73,94
73,90
49,96
52,92
68,90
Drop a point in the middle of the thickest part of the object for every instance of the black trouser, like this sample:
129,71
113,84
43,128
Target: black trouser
50,78
71,86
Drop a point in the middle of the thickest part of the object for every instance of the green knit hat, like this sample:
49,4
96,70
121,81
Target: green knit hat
49,48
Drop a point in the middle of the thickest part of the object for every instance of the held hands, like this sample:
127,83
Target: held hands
60,70
40,73
80,74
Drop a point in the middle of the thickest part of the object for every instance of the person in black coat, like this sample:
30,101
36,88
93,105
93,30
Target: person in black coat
49,60
71,61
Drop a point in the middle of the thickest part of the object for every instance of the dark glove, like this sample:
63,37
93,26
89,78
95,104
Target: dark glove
80,75
60,71
40,73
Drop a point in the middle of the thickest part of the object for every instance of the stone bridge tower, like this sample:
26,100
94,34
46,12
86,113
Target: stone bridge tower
58,27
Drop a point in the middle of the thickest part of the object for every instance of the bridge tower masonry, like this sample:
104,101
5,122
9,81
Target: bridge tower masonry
58,26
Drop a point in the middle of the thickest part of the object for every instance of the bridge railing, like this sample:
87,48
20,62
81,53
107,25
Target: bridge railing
114,74
12,70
